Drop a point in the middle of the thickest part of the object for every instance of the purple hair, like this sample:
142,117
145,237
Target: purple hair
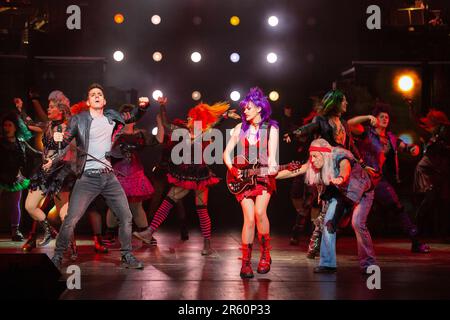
256,96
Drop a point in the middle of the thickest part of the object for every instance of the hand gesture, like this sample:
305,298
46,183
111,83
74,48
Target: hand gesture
47,164
233,114
235,172
144,102
414,150
19,103
337,181
373,120
287,138
162,101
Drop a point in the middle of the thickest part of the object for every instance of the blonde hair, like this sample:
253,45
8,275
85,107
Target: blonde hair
323,175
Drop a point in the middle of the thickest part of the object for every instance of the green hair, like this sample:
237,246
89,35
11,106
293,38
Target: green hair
22,132
331,102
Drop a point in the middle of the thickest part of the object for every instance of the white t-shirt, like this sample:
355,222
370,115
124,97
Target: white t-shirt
100,142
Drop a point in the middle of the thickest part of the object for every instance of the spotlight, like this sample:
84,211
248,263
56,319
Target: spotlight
234,57
405,83
118,18
157,56
235,95
196,95
274,96
156,19
157,94
234,20
272,21
155,131
118,56
196,57
272,57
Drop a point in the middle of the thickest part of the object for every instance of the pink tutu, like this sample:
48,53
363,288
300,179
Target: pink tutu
137,187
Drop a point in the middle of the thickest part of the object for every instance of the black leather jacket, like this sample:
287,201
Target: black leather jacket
80,125
321,127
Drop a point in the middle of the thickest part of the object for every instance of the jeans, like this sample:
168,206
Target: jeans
86,189
366,252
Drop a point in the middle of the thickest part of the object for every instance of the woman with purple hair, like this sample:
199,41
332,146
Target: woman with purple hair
257,136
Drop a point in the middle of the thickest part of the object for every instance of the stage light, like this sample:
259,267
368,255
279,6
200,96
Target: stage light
155,131
406,138
405,83
234,20
156,19
235,95
157,56
196,95
272,21
274,96
196,57
234,57
118,18
272,57
157,94
118,56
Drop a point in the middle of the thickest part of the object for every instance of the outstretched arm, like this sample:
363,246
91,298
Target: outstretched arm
137,113
287,174
355,124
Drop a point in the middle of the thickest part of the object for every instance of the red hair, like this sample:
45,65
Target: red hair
79,107
207,114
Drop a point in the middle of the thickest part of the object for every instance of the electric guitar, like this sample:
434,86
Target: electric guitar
250,171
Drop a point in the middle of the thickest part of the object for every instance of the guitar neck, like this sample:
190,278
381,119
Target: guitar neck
263,171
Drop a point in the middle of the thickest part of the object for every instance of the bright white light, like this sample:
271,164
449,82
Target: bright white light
231,132
118,56
196,57
155,131
234,57
272,21
157,56
235,96
272,57
274,96
156,19
196,95
157,94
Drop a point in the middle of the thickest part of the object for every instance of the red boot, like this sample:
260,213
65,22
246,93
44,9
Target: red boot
99,246
246,269
265,260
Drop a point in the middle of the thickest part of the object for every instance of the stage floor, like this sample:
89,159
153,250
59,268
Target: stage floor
176,270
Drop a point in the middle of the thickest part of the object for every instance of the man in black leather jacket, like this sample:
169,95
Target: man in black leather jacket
95,132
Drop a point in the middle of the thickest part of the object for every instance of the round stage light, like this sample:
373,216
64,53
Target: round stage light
157,56
197,20
274,96
234,20
272,21
156,19
196,57
118,18
405,83
155,131
235,95
235,57
272,57
118,56
157,94
196,95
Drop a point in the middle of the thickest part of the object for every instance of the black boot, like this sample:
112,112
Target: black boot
16,235
206,247
49,233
